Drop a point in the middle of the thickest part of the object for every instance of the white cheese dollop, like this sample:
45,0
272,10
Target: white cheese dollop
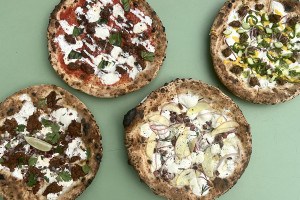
75,148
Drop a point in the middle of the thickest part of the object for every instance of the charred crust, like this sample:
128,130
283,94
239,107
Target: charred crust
2,177
98,157
129,117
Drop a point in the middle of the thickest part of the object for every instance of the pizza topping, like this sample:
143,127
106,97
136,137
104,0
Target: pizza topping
189,143
98,40
265,45
40,142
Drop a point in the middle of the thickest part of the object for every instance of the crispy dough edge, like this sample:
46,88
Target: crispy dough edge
93,88
136,148
10,187
276,95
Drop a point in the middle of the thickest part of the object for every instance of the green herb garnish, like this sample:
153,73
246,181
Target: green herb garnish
52,137
102,21
20,128
103,64
88,153
86,169
126,5
115,39
32,161
64,176
74,55
1,160
8,146
32,180
77,31
46,179
41,103
149,56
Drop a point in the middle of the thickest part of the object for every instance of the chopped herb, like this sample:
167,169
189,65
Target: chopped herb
52,137
86,169
103,64
32,161
1,160
251,19
115,39
77,31
102,21
126,5
8,146
278,71
59,150
41,103
149,56
46,179
46,123
294,73
32,180
64,176
20,128
21,161
74,55
88,153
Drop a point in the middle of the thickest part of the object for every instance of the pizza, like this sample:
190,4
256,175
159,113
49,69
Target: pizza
106,48
187,140
50,145
255,49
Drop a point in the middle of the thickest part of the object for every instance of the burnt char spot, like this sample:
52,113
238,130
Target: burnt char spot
259,7
98,157
128,118
74,129
226,52
2,177
70,39
33,123
76,172
10,111
86,127
254,81
235,24
229,5
51,100
220,184
10,126
274,18
52,188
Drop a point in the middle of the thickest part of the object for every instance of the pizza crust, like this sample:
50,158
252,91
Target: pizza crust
93,86
278,94
136,144
10,187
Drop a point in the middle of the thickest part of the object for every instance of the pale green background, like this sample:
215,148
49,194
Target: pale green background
273,172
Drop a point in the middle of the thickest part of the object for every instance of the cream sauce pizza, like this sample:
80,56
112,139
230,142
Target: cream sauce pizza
109,39
189,143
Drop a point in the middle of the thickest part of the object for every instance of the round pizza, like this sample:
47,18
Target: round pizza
106,48
187,140
255,47
50,145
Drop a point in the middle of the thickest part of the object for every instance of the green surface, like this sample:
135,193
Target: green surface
273,172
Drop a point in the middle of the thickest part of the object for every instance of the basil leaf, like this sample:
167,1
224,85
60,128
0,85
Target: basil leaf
64,176
149,56
126,5
52,137
32,161
103,64
115,39
86,169
74,55
20,128
32,180
77,31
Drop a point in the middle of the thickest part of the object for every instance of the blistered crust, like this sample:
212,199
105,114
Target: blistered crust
136,144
